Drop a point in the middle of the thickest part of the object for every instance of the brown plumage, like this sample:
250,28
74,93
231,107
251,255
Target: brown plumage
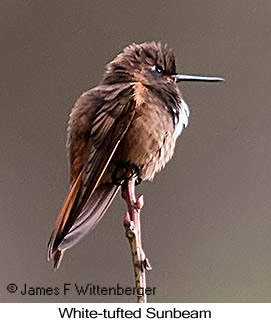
130,120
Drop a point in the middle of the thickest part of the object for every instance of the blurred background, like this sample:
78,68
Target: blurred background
206,220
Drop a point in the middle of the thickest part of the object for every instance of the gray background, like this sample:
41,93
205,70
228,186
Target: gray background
206,222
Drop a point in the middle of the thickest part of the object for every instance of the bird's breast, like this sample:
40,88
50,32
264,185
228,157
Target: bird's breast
149,142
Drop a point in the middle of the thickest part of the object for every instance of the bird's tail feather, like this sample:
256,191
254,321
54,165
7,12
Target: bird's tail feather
91,214
63,218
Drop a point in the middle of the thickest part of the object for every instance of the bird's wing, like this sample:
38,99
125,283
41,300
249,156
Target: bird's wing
109,113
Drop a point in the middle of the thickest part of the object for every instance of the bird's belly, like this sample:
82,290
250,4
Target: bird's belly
148,143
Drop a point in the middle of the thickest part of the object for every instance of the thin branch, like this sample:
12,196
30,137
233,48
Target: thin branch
133,233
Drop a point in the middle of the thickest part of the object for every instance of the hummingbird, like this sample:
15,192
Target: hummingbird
130,121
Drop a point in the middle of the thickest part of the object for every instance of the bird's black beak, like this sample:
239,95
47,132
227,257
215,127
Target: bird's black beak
193,78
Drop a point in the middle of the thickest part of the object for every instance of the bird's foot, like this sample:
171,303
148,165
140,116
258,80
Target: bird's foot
124,172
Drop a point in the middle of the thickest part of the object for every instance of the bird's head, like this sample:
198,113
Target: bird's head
151,63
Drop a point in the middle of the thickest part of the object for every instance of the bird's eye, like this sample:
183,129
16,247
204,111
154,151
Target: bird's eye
158,69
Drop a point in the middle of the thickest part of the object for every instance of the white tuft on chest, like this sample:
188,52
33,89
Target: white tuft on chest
182,120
